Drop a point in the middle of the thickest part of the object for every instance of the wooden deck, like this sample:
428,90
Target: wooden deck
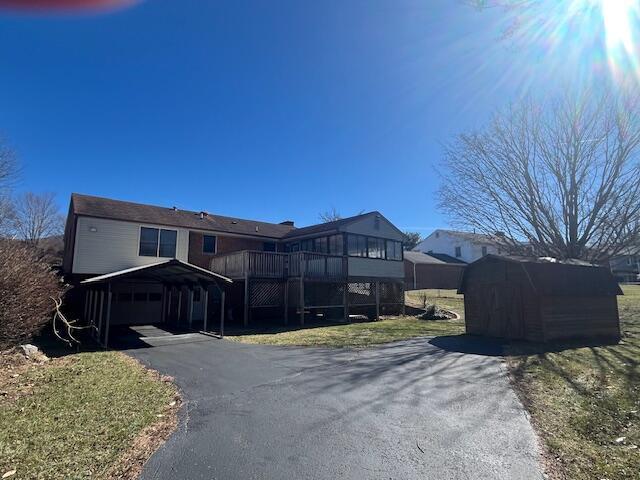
253,264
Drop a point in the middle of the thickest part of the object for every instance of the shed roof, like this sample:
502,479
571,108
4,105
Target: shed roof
169,271
556,278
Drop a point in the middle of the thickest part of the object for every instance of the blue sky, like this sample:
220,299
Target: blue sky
259,109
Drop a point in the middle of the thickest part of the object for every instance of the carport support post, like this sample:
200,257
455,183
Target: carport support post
190,306
377,301
164,303
404,310
169,302
179,305
100,314
108,317
94,307
206,305
86,304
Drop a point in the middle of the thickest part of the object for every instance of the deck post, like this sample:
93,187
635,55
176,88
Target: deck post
205,298
345,301
302,269
377,301
108,316
286,302
190,311
222,295
246,298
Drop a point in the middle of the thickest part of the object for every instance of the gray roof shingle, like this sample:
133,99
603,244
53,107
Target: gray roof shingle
135,212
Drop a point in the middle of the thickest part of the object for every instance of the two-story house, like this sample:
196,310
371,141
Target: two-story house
626,266
137,264
464,246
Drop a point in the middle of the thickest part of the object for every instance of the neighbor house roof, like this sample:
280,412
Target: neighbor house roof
135,212
556,278
443,257
421,258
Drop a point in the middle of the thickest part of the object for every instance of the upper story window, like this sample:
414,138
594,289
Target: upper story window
394,250
157,242
269,247
375,247
321,245
209,243
336,244
458,251
357,246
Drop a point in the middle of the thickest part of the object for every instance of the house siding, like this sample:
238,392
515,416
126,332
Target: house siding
224,244
114,245
443,242
367,226
371,267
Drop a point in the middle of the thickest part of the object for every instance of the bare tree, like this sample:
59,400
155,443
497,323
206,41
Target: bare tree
37,217
563,177
412,239
330,215
8,173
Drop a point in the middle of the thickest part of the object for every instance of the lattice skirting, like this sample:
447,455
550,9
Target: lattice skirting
264,293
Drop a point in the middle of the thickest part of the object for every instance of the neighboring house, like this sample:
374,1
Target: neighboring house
169,265
464,246
626,267
424,270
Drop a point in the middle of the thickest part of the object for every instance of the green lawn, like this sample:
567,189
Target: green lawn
388,329
585,402
447,299
74,417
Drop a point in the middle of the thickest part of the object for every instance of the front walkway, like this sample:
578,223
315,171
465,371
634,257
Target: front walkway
407,410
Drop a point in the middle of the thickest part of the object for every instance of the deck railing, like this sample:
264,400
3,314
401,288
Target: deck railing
279,265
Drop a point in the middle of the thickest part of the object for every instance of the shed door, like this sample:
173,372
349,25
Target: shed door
504,311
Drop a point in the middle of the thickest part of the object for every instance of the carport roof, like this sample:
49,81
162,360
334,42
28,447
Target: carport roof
167,271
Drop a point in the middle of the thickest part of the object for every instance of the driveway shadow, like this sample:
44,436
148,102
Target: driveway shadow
492,347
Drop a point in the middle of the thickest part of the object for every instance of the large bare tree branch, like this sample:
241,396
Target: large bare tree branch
562,177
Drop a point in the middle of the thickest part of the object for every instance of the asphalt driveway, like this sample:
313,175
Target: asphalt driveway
406,410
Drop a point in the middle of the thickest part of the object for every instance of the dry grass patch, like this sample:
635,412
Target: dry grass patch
90,415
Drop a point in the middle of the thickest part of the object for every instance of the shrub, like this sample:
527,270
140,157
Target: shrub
27,284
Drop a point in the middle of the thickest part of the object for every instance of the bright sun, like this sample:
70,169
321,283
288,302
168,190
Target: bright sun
618,16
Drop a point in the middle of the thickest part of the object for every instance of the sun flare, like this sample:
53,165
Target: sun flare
618,16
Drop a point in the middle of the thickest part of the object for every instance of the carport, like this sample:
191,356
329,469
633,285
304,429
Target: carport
164,292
